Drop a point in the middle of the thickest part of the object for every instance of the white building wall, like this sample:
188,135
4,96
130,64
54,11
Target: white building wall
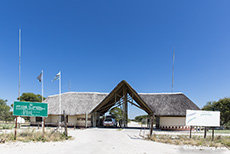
72,119
77,120
172,121
52,119
81,121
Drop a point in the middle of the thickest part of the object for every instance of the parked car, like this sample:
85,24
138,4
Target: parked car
109,122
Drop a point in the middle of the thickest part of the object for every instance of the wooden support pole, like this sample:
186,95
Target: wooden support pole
212,133
15,132
151,125
205,132
190,136
66,132
86,120
125,107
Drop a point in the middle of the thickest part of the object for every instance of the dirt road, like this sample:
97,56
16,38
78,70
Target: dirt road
101,141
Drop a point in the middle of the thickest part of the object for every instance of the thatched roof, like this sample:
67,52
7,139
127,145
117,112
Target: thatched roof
168,104
74,103
161,104
116,94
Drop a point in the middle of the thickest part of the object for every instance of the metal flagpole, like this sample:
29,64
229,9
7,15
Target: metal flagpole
42,86
173,68
69,85
19,82
60,98
43,119
19,85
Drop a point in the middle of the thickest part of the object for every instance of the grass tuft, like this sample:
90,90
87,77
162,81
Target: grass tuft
219,141
6,126
35,136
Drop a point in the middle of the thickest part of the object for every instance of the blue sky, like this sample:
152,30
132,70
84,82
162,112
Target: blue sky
96,44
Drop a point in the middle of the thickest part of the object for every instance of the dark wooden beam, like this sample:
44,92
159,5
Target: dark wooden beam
135,104
107,106
151,125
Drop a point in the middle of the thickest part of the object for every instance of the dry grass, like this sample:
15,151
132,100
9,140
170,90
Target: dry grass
219,141
35,136
6,126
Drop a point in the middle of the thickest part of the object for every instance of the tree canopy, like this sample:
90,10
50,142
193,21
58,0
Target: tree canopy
31,97
141,118
223,105
5,113
116,112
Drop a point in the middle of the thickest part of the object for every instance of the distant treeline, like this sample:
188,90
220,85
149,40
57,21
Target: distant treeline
5,113
141,118
223,105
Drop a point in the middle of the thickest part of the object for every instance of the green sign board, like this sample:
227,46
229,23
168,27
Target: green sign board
30,109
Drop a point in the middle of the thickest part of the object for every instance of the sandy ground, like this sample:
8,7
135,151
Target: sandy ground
102,141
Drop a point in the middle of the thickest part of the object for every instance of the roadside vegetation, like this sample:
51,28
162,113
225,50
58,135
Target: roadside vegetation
223,105
5,113
6,126
219,141
143,119
35,136
216,132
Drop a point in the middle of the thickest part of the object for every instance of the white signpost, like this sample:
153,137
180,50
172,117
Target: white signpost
203,118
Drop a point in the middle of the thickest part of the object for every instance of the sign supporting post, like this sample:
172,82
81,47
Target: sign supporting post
15,132
212,133
205,132
190,136
43,127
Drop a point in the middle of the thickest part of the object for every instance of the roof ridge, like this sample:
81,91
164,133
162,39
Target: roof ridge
161,93
77,93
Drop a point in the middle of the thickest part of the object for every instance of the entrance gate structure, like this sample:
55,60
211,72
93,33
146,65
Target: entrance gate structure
121,95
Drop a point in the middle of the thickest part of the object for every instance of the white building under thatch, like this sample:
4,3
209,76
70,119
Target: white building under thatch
85,108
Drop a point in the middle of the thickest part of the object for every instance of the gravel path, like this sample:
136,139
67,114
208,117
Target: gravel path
101,141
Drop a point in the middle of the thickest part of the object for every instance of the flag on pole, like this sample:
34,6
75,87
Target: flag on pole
40,77
57,76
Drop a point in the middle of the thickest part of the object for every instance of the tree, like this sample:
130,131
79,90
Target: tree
116,112
208,107
141,118
5,113
223,105
31,97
